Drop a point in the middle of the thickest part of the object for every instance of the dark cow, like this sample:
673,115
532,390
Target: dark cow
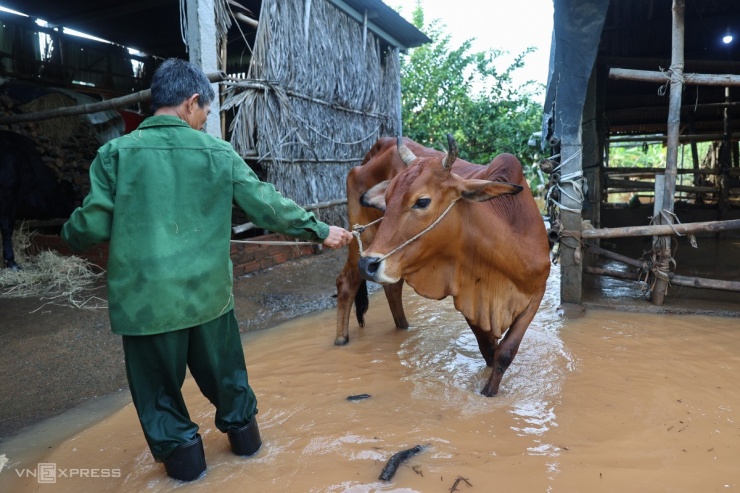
28,189
453,228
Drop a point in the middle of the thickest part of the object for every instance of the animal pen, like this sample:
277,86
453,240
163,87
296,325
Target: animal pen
630,73
305,86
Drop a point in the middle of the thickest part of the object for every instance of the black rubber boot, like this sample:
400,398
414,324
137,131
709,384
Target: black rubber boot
245,440
188,461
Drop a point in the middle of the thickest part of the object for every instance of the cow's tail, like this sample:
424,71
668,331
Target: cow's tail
361,303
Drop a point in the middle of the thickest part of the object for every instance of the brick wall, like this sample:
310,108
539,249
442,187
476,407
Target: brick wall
246,257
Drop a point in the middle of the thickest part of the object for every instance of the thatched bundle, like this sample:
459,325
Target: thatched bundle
55,279
319,92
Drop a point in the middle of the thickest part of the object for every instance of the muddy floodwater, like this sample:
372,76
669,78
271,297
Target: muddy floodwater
611,402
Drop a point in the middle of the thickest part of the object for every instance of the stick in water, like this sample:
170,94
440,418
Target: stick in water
390,468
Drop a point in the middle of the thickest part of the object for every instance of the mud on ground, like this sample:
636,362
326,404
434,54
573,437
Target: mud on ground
59,357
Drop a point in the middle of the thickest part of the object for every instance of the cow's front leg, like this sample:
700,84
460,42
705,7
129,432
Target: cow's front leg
486,343
348,286
393,293
507,349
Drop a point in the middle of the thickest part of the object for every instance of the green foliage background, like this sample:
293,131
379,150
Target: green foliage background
458,91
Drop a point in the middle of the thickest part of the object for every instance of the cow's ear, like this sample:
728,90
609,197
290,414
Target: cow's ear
482,190
375,197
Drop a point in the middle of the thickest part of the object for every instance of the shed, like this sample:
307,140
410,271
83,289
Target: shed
632,72
306,86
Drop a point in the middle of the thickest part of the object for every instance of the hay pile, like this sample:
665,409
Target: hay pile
66,145
55,279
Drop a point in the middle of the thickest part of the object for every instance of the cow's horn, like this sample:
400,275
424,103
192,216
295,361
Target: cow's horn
451,152
406,155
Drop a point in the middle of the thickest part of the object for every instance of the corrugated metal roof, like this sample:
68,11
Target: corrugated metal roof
153,26
637,35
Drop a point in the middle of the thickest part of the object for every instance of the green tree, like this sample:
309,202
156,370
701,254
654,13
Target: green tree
455,90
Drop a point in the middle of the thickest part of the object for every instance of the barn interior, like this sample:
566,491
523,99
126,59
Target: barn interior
613,69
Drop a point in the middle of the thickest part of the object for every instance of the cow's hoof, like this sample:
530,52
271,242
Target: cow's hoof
488,393
341,341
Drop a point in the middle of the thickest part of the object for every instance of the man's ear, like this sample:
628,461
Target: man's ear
193,101
482,190
375,197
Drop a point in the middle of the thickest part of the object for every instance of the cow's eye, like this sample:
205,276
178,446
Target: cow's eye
422,203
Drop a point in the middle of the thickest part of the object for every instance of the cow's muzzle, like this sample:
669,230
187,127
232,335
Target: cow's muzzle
369,267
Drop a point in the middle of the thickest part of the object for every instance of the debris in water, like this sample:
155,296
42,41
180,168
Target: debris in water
390,468
358,397
457,481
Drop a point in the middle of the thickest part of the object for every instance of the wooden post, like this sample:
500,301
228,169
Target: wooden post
725,161
202,42
571,290
663,250
658,295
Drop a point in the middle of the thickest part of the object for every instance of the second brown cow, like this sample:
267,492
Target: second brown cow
448,228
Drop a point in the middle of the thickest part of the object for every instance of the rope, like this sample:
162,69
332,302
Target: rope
661,264
576,180
407,242
674,77
357,232
289,243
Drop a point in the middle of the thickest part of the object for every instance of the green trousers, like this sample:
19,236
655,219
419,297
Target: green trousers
155,367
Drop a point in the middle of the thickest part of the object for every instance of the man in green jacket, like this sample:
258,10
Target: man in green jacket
162,196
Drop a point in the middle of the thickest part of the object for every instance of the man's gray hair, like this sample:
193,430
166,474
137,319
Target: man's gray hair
175,81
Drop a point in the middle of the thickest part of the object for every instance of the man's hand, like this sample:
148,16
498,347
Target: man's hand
338,237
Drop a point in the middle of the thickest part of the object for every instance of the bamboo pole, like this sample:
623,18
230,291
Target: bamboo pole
82,109
663,138
662,247
652,171
615,256
656,230
645,185
688,281
664,77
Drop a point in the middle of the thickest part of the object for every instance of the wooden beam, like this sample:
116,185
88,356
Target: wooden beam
83,109
664,77
688,281
662,138
656,230
680,171
646,185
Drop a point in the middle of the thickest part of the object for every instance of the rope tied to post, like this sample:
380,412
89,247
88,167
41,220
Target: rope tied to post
660,264
575,180
673,74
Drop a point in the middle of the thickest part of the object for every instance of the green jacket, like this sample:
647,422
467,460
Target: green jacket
162,195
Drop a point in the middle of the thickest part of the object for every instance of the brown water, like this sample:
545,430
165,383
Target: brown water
612,402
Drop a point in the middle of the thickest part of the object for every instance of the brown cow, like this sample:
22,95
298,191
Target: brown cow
381,163
473,232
